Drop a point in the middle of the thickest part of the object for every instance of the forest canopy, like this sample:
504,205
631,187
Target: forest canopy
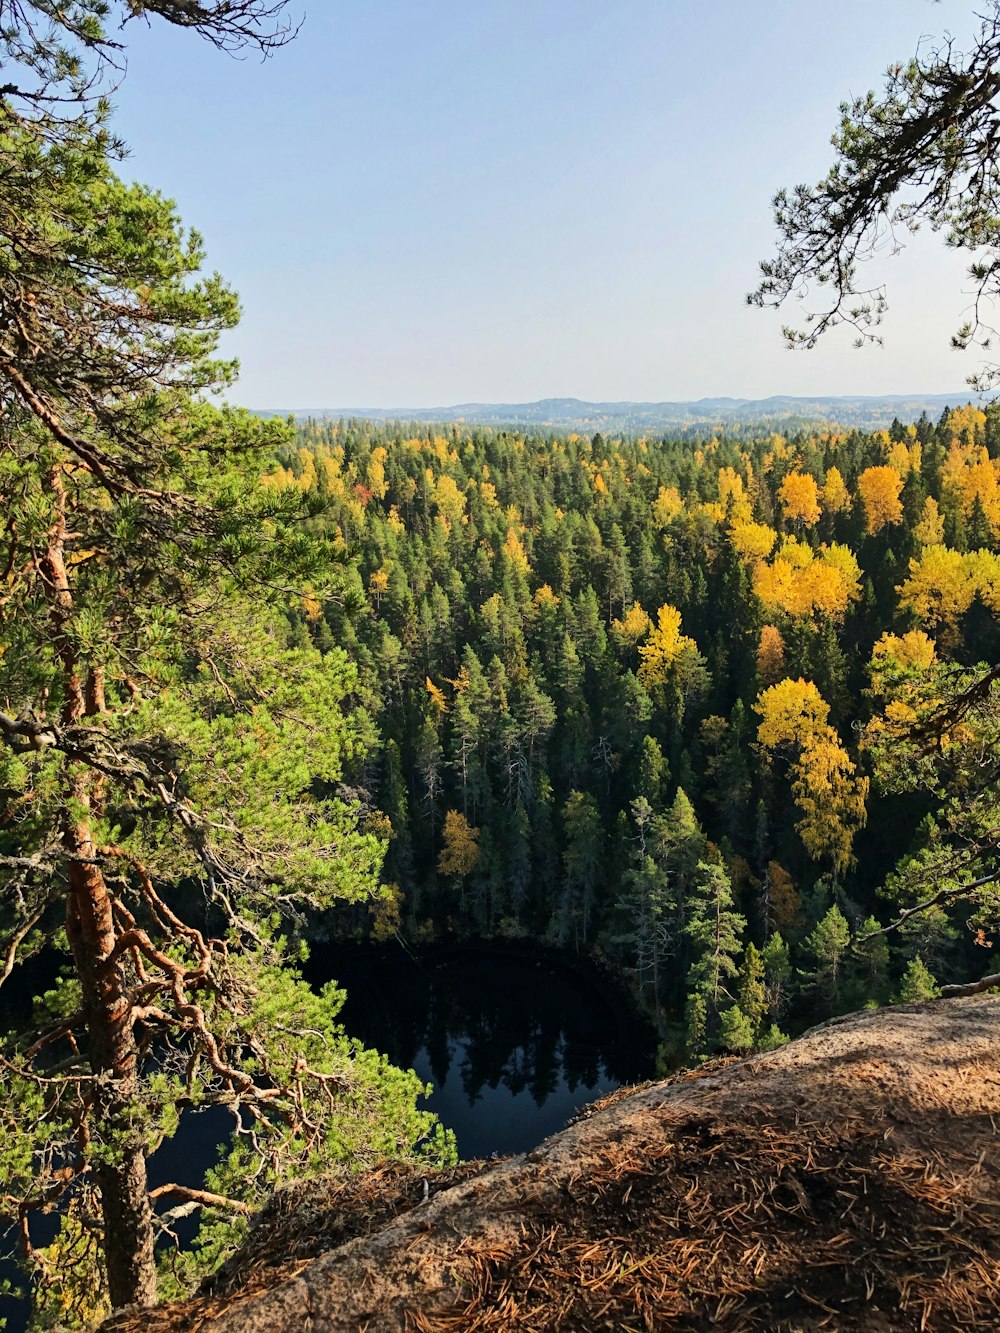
699,663
722,713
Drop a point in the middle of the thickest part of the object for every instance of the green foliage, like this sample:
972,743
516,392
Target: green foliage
736,1031
581,861
870,963
826,947
772,1039
715,932
917,984
751,991
696,1025
175,776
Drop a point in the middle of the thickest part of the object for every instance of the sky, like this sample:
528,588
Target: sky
431,203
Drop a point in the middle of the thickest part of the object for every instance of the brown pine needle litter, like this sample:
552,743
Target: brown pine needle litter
850,1181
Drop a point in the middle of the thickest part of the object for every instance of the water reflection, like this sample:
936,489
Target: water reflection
514,1046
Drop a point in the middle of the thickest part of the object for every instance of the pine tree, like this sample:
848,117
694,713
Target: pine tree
751,992
715,932
918,984
677,845
777,974
645,905
772,1039
695,1024
160,749
653,771
870,964
394,802
581,866
827,945
736,1032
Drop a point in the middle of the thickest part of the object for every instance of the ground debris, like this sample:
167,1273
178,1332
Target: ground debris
850,1181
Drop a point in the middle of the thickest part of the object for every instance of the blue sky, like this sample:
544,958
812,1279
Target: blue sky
436,202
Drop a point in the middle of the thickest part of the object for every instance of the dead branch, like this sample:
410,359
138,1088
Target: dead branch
203,1198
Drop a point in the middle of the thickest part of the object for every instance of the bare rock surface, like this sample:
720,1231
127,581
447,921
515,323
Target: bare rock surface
849,1181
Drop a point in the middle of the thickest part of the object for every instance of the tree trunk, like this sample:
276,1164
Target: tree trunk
117,1114
657,1010
120,1170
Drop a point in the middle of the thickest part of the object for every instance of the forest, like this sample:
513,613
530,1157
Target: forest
631,694
718,717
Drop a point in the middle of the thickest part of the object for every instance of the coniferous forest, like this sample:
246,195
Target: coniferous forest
637,697
718,716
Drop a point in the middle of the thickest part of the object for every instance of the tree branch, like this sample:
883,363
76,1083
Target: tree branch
203,1198
941,897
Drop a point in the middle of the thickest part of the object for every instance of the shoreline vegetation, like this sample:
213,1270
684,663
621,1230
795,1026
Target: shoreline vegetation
721,707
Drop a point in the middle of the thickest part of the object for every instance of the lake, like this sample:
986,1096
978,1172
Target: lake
515,1042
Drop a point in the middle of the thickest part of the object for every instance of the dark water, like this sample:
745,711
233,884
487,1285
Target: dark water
514,1044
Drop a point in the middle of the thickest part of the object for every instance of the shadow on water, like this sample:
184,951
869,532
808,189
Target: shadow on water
515,1042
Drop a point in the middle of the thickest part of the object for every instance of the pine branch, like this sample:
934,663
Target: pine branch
201,1198
942,897
971,987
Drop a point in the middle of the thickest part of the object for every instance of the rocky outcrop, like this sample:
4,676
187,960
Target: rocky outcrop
849,1181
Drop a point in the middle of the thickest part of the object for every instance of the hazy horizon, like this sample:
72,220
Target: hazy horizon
966,394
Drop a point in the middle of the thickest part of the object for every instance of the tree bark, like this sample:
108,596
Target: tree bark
120,1168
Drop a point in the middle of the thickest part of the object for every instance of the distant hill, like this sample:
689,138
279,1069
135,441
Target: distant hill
565,414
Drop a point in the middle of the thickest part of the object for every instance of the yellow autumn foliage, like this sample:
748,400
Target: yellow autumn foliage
515,552
449,499
667,505
799,496
904,458
460,854
378,584
800,582
752,541
791,712
967,424
836,496
930,530
375,474
783,901
436,696
827,791
663,646
941,586
969,474
914,649
879,488
733,499
770,656
984,569
280,479
634,625
831,799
